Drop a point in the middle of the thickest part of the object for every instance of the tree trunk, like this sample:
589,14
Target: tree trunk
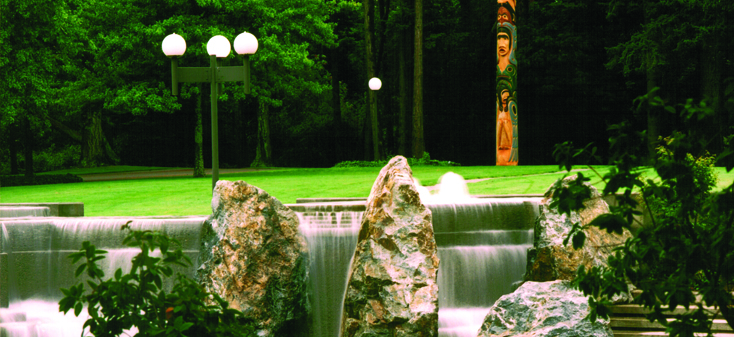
369,39
403,146
28,148
199,137
653,116
712,88
419,145
94,152
13,154
263,152
367,135
90,143
336,107
653,113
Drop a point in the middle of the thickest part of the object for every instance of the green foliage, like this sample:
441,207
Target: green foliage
53,158
424,161
666,205
685,256
46,179
138,299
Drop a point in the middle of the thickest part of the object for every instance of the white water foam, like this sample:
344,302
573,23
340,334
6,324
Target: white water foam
460,322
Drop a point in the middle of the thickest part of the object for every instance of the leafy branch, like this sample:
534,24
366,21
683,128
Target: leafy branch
684,258
138,300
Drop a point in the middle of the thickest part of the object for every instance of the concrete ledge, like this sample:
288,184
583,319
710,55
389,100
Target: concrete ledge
323,200
61,209
329,200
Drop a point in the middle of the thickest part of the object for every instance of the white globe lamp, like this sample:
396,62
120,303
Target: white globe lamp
219,46
375,83
174,45
245,44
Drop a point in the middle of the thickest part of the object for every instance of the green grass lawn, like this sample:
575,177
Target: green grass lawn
192,196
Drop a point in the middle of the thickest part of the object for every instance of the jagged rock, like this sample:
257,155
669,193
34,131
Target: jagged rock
539,309
255,258
392,289
549,259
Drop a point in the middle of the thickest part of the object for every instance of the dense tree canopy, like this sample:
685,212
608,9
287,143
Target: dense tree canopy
86,83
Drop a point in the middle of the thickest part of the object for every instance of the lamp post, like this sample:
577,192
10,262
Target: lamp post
374,84
217,48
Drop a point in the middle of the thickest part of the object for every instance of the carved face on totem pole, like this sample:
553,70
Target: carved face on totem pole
503,49
504,15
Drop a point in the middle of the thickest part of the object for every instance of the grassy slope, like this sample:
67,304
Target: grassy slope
192,196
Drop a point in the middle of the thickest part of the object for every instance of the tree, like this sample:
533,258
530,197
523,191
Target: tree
419,145
29,66
110,69
684,257
369,42
678,46
285,64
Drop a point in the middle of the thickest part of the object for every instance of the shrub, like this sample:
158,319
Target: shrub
685,257
138,300
425,161
53,159
46,179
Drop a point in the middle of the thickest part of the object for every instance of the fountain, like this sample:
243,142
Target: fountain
482,245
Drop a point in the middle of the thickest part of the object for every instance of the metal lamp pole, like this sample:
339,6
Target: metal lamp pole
218,47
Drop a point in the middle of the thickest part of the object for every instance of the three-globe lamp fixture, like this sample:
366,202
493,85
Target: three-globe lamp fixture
217,48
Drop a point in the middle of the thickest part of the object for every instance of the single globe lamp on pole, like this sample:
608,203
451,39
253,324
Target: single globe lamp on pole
217,48
374,84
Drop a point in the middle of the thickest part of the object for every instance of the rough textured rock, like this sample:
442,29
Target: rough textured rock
255,258
392,289
549,259
543,309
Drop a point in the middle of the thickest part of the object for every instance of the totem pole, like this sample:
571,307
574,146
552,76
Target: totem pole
506,84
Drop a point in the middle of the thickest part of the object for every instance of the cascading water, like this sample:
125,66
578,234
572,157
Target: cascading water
331,238
24,211
38,266
482,244
480,261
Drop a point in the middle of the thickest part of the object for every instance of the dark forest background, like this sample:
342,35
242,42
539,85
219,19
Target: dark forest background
85,83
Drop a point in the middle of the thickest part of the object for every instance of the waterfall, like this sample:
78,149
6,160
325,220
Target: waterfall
331,237
38,264
482,244
24,211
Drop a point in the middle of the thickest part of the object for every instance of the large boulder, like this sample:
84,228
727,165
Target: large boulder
540,309
549,259
255,258
392,289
